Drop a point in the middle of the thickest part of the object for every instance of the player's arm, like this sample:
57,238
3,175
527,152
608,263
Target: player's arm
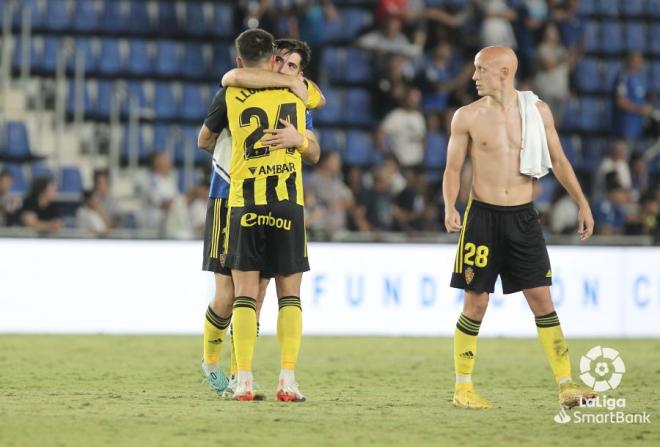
457,148
564,173
260,78
316,99
216,120
288,136
31,220
312,154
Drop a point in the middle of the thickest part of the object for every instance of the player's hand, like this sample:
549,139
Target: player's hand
585,223
283,138
452,220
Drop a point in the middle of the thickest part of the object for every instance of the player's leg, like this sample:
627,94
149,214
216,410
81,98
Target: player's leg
218,317
246,285
289,334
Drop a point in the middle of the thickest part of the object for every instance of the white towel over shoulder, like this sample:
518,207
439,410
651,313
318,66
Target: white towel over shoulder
534,156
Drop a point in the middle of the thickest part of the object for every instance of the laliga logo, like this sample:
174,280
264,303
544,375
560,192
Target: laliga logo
602,369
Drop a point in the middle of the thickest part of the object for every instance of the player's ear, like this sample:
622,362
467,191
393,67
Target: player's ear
239,62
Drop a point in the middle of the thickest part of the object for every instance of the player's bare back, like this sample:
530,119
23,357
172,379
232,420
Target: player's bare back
495,145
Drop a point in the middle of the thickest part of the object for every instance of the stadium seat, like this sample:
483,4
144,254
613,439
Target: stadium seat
139,20
17,56
654,9
609,7
192,65
58,17
333,61
592,36
85,47
70,181
332,140
48,60
593,151
40,171
142,152
222,24
333,112
194,102
655,85
110,61
187,142
85,16
167,60
547,186
567,144
87,106
593,115
588,7
635,37
360,148
168,22
633,8
358,107
139,60
113,18
103,104
195,24
135,90
221,61
435,153
611,71
654,46
20,184
571,119
165,104
37,14
588,75
15,144
611,34
356,20
161,137
358,65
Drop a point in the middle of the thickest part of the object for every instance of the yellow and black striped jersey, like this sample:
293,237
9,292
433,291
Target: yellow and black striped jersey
259,175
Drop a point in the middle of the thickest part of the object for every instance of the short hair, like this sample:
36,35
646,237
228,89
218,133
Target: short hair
255,45
295,46
100,173
5,172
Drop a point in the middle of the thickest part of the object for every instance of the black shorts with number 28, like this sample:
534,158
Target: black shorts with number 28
214,236
501,240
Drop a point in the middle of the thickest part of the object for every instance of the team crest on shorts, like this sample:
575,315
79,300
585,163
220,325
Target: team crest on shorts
469,275
222,259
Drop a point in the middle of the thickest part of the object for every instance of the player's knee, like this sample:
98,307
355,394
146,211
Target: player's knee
475,305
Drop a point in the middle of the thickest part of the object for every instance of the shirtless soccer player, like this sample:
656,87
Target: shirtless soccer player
500,233
218,141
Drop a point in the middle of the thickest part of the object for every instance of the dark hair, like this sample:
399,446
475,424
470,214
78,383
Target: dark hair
100,173
6,173
295,46
39,185
255,45
87,195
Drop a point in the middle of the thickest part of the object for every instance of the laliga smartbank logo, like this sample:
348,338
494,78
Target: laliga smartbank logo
601,369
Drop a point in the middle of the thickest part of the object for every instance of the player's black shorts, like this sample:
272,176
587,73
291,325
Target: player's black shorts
501,240
269,238
214,236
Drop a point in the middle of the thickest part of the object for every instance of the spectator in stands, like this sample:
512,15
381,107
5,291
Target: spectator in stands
312,17
101,190
615,162
403,131
314,214
639,174
497,28
630,103
609,213
409,205
390,88
646,221
9,202
552,78
379,201
358,216
91,216
331,192
158,191
563,213
571,26
443,73
197,206
388,40
38,211
531,17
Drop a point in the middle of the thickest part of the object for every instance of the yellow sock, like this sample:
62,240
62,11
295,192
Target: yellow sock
215,328
234,365
554,344
289,330
465,348
245,331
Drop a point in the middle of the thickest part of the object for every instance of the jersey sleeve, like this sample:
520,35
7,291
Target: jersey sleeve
309,121
313,95
216,118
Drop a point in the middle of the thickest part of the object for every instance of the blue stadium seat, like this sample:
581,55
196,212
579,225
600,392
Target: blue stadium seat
332,140
609,7
654,8
187,142
70,181
435,155
333,112
195,23
223,20
17,56
593,115
105,90
142,152
633,8
87,105
139,60
358,66
358,107
85,16
611,37
221,61
360,148
655,39
194,102
138,18
40,171
636,38
655,84
167,60
58,17
20,184
592,39
113,18
588,7
135,89
48,61
593,151
192,65
588,75
611,71
15,144
161,135
571,119
37,14
547,185
110,61
168,21
569,149
334,62
84,45
165,104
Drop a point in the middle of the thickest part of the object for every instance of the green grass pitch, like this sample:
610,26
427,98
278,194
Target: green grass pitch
147,391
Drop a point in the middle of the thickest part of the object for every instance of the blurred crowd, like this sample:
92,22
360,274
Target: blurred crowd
421,56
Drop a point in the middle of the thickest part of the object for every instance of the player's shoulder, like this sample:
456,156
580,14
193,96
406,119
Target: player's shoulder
466,114
545,111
